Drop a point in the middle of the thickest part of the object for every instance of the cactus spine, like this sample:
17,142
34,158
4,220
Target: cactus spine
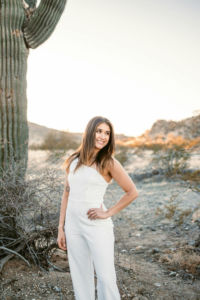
19,32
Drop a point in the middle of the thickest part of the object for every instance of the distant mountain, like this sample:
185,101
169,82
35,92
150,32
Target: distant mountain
37,133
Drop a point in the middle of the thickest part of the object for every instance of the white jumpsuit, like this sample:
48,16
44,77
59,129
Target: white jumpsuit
89,241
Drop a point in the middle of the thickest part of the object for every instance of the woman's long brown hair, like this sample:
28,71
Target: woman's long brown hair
85,151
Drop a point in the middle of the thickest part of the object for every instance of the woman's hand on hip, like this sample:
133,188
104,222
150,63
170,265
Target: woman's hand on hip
97,213
61,240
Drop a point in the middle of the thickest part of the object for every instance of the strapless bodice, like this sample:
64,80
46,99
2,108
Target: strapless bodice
86,184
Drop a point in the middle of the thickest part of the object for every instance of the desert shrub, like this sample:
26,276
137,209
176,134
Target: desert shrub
185,258
29,214
172,161
57,141
172,209
121,154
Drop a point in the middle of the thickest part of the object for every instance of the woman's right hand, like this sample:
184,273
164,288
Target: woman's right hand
61,240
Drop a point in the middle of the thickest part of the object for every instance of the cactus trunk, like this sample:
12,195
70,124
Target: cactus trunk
13,101
17,34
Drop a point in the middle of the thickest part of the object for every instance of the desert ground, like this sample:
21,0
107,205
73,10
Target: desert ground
155,252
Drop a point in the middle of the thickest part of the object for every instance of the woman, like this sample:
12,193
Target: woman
88,228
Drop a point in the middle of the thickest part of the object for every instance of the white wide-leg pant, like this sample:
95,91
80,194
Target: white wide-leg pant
90,241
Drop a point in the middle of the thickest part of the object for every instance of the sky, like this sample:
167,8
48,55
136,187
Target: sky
133,62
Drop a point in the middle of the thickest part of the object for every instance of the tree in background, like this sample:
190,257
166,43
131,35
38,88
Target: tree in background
23,26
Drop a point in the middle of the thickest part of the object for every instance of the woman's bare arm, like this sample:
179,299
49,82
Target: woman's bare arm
64,202
61,240
122,178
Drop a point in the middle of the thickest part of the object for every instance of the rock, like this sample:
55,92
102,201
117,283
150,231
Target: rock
172,226
140,229
157,284
139,297
156,250
40,273
130,235
192,243
39,228
153,228
139,247
172,249
138,235
57,289
187,228
187,277
124,250
172,274
155,172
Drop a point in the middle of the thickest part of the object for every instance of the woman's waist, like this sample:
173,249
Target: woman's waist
95,199
76,213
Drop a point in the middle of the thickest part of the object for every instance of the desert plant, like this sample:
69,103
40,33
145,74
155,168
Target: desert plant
172,161
172,209
185,259
60,141
29,215
23,26
121,154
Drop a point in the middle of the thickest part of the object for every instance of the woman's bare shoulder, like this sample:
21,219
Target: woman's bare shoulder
70,161
113,164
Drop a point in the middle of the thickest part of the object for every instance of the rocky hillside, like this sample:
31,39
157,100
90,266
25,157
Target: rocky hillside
163,131
188,128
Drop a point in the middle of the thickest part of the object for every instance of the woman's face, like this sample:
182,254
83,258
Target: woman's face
102,135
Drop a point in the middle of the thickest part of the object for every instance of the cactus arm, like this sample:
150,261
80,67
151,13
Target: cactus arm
42,23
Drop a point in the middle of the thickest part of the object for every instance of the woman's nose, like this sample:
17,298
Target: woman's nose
102,135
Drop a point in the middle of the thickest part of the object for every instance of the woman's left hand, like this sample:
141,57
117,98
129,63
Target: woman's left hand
97,213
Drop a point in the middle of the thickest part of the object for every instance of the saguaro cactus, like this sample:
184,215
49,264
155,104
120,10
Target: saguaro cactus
23,26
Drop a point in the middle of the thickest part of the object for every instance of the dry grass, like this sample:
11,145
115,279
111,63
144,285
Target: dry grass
183,259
